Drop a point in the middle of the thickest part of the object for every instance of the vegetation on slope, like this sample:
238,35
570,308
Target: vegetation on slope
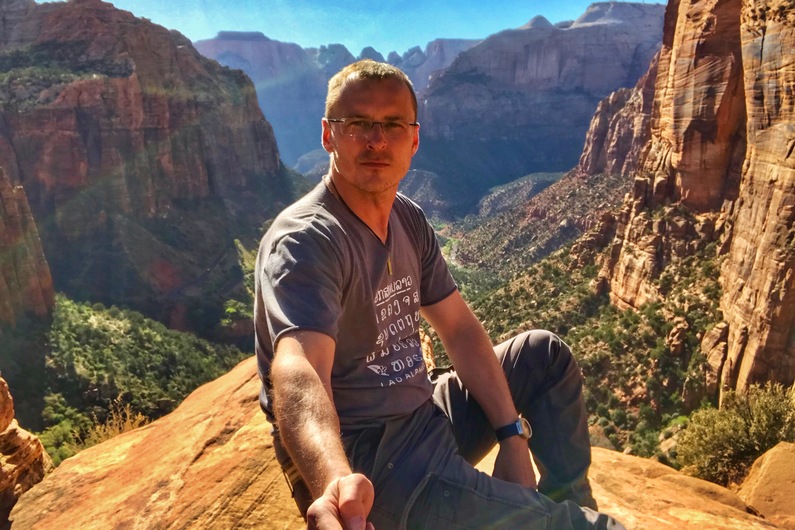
93,356
643,369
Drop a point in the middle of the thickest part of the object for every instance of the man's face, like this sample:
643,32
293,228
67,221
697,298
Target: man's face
373,163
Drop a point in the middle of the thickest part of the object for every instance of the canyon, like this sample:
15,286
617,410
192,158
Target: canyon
719,173
140,159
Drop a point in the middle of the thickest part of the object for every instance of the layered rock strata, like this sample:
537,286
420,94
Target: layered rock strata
720,169
25,282
759,274
23,461
521,101
141,159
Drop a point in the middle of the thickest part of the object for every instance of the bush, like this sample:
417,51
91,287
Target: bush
720,445
121,418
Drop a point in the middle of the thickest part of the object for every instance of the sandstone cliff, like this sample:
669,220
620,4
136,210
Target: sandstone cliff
25,281
521,101
210,465
23,461
141,159
719,169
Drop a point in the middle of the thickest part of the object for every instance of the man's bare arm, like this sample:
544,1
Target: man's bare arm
472,354
310,430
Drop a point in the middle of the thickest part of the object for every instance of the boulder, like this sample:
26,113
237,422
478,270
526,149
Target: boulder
23,461
770,486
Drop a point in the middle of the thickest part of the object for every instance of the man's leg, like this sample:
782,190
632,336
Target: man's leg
546,385
422,483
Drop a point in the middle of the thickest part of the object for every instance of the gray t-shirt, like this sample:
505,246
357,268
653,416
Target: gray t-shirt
321,268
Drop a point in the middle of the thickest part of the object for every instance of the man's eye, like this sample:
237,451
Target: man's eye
394,126
360,124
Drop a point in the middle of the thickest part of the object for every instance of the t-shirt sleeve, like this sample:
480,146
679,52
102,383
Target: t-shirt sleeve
301,283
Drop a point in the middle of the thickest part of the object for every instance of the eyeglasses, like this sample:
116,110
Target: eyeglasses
361,128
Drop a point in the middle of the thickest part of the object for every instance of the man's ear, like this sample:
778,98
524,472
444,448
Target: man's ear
415,141
325,136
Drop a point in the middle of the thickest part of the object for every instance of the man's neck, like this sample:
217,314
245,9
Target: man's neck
372,208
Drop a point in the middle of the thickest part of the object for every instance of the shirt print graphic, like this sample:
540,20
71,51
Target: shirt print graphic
397,312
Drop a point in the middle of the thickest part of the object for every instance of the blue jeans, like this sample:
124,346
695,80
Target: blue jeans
421,465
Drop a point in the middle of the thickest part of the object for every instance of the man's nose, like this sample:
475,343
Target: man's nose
376,136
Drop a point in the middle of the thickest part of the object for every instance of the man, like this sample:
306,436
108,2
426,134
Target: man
342,278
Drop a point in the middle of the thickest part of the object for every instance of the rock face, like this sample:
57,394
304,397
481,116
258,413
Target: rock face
25,281
758,280
521,101
127,142
721,151
209,464
291,87
617,139
769,487
23,461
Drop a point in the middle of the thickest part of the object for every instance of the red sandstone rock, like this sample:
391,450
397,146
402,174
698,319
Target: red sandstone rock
770,487
23,461
721,145
210,465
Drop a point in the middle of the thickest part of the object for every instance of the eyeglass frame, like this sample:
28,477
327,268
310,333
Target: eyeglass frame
373,123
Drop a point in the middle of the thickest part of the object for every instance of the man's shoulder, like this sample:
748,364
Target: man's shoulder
309,214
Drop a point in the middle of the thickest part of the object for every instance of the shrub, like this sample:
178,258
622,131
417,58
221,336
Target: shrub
720,445
121,418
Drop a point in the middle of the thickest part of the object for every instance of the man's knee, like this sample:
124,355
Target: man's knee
542,349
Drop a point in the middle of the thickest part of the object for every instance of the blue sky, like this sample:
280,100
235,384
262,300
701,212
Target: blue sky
386,25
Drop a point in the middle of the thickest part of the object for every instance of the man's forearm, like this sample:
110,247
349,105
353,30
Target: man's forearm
308,422
476,365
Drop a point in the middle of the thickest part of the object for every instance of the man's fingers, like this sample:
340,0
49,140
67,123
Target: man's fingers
323,515
356,497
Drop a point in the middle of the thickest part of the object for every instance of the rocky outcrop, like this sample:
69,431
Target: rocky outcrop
521,101
719,169
25,282
23,461
769,487
291,87
210,464
127,142
617,139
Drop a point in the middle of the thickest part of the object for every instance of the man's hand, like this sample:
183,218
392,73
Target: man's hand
344,505
513,462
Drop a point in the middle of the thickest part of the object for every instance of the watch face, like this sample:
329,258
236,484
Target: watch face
527,431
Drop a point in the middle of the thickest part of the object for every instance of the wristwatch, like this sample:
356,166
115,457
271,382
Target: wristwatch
521,427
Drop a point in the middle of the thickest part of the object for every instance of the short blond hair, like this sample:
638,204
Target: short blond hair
366,69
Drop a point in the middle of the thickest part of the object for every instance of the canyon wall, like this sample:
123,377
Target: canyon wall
758,278
25,282
141,159
718,178
521,101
